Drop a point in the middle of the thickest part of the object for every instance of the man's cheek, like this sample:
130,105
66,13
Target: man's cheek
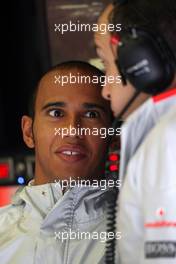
45,139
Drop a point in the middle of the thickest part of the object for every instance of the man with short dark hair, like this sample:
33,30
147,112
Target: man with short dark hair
47,223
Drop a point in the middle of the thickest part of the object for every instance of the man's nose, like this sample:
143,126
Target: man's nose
106,92
73,127
73,120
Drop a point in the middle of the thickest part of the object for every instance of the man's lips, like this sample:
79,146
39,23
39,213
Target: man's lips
71,153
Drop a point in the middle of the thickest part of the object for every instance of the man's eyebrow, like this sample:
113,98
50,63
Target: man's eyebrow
93,105
54,104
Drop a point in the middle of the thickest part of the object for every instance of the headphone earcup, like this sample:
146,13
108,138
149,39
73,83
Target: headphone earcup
145,63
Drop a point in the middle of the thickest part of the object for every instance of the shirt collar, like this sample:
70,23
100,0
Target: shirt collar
42,197
43,201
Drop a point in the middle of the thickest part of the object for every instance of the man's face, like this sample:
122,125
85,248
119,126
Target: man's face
76,105
104,51
102,41
117,93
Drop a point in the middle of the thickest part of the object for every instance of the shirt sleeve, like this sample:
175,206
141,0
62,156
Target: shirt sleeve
147,201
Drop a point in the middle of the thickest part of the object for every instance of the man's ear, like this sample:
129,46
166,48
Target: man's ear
26,125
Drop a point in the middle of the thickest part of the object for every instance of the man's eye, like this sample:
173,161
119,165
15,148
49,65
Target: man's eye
92,114
56,113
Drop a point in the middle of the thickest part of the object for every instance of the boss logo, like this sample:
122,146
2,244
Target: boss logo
160,249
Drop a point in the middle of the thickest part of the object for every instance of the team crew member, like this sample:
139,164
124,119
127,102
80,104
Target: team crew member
116,93
146,214
35,228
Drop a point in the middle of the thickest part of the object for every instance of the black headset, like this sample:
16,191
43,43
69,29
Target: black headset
145,60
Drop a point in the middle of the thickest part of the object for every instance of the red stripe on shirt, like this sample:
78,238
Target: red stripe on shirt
160,224
162,96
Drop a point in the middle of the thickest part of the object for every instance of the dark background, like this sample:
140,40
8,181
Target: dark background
29,47
25,56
